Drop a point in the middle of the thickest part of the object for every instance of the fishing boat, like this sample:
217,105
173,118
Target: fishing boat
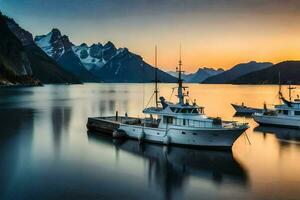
242,109
286,114
179,123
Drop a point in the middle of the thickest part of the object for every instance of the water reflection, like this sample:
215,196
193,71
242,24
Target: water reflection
285,136
45,152
246,115
60,117
16,138
170,167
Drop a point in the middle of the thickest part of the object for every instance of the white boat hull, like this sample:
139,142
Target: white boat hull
197,137
277,120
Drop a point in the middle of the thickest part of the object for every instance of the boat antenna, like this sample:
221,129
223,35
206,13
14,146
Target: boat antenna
156,79
180,92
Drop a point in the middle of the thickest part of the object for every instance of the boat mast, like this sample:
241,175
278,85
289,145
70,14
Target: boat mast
279,82
290,88
156,79
180,92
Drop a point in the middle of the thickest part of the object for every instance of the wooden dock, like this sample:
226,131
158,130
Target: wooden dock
102,124
108,125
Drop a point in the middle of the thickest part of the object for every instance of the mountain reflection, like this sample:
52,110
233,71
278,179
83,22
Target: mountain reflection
171,167
15,144
60,117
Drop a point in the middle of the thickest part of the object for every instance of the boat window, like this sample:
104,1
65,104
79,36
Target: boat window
183,110
191,122
197,123
187,122
175,121
201,110
184,122
168,120
183,132
297,112
195,111
285,112
194,133
207,124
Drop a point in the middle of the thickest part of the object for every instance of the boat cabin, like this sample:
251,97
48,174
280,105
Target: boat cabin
179,115
293,109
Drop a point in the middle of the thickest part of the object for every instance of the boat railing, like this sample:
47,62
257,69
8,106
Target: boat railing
121,119
147,122
152,109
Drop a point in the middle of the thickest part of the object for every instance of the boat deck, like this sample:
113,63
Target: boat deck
110,124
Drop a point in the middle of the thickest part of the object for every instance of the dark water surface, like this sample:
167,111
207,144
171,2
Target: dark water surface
46,152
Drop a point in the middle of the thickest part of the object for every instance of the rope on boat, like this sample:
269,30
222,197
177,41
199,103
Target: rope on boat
247,138
171,94
149,100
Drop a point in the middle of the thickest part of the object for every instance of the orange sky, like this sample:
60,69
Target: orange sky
216,45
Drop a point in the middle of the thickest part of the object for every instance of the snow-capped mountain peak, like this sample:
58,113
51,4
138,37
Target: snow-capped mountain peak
54,43
103,62
89,56
43,40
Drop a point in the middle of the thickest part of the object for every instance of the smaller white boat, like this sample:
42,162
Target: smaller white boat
242,109
286,114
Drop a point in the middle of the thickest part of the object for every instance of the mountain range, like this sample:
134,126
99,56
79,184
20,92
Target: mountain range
98,63
59,48
289,74
53,58
237,71
199,76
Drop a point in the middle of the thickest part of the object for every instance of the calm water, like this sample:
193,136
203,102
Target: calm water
46,152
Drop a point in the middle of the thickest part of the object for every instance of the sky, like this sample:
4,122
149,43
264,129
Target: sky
212,33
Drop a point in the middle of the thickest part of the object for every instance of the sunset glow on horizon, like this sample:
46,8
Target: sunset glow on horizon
218,34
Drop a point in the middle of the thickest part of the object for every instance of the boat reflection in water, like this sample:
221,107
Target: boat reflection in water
171,166
242,115
284,135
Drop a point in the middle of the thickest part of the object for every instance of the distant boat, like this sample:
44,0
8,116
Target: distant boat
181,123
286,114
242,109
